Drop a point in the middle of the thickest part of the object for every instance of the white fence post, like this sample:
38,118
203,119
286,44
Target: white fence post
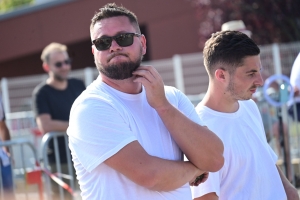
179,79
5,95
88,75
276,58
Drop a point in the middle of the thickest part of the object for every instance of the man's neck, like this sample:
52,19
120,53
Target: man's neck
126,86
57,84
219,100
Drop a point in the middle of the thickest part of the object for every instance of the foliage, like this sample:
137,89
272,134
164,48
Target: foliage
6,5
270,21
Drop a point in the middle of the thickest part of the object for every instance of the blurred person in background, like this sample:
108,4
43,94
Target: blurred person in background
53,98
236,25
6,168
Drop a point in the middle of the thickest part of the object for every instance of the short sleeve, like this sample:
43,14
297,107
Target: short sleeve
40,103
94,142
212,184
187,108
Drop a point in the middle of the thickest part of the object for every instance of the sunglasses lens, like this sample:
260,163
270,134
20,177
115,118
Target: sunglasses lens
125,40
60,64
103,43
68,62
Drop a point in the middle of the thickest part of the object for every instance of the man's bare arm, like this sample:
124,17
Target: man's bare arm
4,134
46,124
201,146
152,172
290,190
209,196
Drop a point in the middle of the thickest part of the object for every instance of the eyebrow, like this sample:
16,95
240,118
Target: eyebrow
253,71
118,33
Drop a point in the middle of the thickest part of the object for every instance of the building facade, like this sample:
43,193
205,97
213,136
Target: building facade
169,25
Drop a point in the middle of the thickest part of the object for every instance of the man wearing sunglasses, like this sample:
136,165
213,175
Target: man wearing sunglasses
53,98
128,131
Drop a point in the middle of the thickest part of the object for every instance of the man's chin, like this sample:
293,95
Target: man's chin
61,79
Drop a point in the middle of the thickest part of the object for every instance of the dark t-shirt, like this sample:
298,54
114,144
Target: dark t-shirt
57,103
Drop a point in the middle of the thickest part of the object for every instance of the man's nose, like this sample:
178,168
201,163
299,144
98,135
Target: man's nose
114,46
259,81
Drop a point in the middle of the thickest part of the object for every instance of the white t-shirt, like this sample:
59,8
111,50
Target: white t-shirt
295,76
249,171
102,121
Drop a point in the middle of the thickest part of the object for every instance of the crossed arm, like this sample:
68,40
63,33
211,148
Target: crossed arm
46,124
152,172
201,146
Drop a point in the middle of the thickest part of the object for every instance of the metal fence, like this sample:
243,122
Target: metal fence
64,179
32,180
27,173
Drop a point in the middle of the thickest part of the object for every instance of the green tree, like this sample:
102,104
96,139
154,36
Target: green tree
6,5
269,21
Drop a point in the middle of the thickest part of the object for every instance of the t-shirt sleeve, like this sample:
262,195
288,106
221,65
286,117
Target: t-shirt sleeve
272,154
40,103
187,108
212,184
94,142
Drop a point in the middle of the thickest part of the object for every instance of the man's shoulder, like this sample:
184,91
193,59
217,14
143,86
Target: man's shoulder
75,81
248,103
200,108
172,91
40,87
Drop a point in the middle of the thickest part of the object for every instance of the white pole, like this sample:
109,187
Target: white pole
179,80
88,76
276,59
5,95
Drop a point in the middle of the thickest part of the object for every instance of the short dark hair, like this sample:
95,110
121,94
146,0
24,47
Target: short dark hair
112,10
228,48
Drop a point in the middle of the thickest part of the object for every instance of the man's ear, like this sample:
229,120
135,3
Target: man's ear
221,75
144,46
46,67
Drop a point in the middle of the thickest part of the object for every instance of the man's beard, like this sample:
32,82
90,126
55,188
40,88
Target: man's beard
121,70
59,78
231,89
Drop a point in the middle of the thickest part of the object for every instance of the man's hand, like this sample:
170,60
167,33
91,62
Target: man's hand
154,85
199,179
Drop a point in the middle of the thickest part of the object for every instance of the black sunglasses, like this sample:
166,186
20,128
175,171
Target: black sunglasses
123,40
60,64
